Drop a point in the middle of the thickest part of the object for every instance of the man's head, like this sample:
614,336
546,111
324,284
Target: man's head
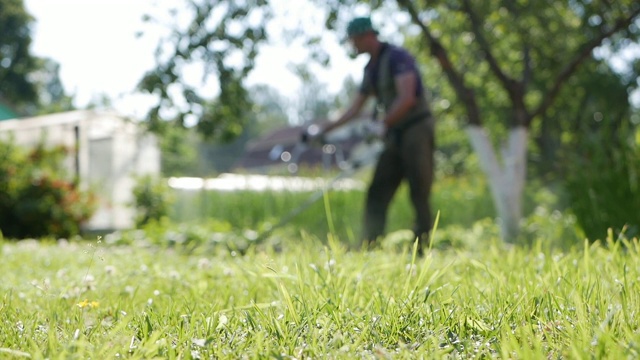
362,34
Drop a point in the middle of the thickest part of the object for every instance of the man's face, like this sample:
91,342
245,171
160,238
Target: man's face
358,43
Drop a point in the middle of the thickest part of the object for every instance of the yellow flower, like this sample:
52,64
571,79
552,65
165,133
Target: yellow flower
85,303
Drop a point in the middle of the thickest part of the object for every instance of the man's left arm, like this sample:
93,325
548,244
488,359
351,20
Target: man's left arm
406,98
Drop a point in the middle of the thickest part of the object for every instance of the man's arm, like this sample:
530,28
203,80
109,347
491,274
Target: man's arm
406,89
353,111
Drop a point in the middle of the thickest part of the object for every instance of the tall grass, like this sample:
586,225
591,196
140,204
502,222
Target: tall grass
313,299
464,204
460,201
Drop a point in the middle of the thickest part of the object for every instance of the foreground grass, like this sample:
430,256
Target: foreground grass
75,301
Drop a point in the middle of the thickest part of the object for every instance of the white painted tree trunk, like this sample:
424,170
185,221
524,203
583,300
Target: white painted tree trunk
506,175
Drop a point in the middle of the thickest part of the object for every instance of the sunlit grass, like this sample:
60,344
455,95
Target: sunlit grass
208,288
316,299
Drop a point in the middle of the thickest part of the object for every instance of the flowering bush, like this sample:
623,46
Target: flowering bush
37,197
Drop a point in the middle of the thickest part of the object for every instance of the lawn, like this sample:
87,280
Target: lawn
307,298
204,284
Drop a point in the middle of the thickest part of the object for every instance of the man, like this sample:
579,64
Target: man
392,77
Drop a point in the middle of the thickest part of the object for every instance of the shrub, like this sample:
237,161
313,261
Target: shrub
153,199
603,187
37,197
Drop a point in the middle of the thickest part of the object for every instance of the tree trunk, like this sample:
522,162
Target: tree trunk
506,175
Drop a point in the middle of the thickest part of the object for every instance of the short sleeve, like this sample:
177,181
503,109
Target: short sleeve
402,62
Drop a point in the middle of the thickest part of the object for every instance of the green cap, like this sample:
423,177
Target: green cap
359,26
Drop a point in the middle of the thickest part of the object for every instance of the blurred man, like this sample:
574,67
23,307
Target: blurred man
392,77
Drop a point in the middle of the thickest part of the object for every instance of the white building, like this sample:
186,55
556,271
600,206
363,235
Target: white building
110,152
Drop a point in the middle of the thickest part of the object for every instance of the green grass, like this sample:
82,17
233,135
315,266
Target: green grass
464,204
200,286
316,299
461,201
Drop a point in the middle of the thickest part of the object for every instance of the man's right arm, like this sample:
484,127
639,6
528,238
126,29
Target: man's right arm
352,111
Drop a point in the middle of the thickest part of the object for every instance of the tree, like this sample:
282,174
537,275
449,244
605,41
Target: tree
31,85
16,60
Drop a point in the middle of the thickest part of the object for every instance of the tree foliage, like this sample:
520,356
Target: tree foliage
16,60
28,84
594,102
505,63
221,40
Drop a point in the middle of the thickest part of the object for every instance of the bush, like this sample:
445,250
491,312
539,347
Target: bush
153,199
37,198
603,187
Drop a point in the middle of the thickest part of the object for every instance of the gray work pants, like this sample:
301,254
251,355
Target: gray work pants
408,154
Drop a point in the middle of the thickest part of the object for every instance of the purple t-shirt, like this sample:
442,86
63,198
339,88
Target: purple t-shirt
400,62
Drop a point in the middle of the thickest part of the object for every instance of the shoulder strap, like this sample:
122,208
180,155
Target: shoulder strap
383,71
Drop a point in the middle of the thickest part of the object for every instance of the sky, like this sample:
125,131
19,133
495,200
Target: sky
95,43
